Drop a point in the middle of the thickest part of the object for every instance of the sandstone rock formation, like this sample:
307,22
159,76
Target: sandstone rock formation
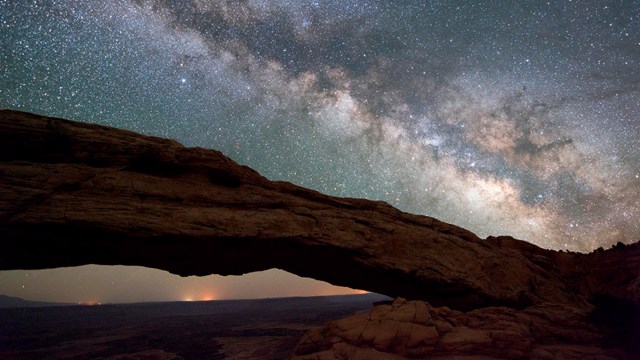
76,193
416,330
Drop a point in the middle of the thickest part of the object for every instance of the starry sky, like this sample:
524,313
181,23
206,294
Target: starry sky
517,118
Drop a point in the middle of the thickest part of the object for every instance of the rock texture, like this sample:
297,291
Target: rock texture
416,330
76,193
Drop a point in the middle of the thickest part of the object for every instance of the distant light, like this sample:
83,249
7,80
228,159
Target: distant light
90,303
208,297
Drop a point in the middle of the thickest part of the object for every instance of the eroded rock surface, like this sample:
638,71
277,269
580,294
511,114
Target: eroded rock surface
416,330
75,193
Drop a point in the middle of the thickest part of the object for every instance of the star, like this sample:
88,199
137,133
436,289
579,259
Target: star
503,119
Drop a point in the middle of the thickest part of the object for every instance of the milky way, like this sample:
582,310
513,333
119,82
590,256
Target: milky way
516,118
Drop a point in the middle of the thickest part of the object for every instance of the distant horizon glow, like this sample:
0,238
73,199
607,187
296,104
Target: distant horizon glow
517,118
71,285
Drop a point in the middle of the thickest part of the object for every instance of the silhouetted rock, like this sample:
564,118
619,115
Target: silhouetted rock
76,193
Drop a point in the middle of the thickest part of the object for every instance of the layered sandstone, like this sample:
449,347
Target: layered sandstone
76,193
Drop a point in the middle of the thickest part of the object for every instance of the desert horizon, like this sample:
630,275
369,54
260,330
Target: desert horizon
109,285
222,329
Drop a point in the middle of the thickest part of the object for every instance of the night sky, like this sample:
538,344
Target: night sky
518,118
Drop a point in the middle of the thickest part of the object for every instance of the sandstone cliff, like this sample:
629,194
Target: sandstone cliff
76,193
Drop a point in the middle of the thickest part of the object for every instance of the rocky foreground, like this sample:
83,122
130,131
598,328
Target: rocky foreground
76,193
416,330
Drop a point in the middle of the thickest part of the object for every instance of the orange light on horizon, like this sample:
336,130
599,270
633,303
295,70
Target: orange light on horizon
209,297
89,303
356,291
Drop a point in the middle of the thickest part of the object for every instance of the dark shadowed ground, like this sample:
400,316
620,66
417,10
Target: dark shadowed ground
234,329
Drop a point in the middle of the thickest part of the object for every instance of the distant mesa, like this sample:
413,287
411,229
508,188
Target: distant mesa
76,193
16,302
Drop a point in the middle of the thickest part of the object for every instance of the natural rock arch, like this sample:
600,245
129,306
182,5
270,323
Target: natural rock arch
76,193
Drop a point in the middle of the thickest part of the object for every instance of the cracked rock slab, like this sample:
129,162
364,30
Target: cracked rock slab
487,333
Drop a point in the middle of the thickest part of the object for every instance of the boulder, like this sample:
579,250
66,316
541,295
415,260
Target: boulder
414,330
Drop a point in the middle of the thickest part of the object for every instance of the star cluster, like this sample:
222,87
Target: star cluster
516,118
